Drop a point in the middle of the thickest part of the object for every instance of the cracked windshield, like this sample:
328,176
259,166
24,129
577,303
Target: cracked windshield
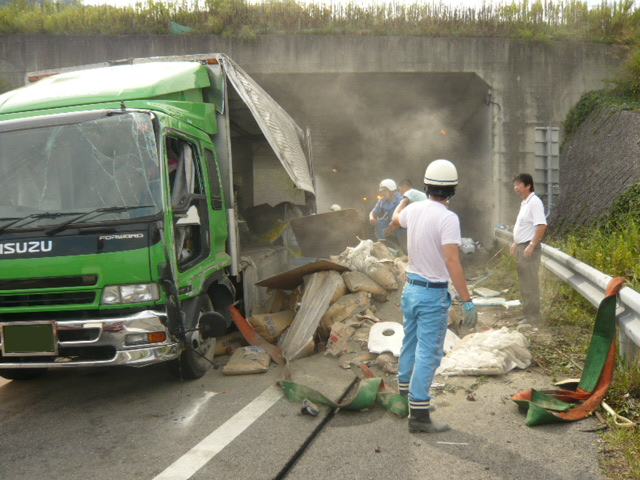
99,170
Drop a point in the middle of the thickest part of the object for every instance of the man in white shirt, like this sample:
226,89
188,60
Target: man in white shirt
528,231
411,194
433,233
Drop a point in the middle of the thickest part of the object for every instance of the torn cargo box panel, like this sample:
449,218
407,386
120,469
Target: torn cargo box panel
292,278
325,234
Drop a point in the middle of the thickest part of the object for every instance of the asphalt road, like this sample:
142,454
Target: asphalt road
142,424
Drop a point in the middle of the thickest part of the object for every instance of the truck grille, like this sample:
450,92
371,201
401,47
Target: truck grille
40,299
49,282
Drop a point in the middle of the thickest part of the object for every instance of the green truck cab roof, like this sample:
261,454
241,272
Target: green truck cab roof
181,81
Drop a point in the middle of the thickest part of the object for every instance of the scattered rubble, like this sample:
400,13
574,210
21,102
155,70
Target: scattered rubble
486,292
348,307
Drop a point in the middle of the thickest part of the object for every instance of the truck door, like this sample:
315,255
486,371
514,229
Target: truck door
218,218
192,242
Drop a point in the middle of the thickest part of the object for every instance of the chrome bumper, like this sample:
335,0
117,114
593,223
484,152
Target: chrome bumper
106,334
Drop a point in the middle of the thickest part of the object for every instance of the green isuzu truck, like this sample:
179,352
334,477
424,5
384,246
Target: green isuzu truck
122,188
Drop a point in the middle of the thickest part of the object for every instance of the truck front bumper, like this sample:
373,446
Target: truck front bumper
103,342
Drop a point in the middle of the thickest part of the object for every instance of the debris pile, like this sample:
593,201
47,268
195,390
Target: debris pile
348,307
329,306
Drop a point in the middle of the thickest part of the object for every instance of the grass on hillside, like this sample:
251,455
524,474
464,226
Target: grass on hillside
623,93
614,22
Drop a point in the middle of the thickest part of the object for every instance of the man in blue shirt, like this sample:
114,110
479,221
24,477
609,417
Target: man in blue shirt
381,215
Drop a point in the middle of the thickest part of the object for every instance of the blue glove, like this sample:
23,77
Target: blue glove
470,314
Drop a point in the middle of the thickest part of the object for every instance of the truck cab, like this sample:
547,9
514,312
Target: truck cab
119,224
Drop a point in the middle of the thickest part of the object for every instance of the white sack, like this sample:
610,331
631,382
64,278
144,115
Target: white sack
360,259
450,341
493,352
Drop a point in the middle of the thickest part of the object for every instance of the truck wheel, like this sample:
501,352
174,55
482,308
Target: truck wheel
197,357
22,373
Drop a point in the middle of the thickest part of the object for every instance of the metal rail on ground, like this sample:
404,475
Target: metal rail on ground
592,284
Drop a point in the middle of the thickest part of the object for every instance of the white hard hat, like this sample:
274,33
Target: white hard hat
335,207
441,172
388,184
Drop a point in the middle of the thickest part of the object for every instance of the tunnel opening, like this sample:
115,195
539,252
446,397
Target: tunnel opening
366,127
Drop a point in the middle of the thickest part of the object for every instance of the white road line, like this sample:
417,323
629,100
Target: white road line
198,456
196,408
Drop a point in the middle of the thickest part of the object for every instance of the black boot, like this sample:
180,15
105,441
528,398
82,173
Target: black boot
403,388
420,421
405,393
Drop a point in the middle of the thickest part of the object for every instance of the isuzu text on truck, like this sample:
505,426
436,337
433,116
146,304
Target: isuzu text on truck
119,226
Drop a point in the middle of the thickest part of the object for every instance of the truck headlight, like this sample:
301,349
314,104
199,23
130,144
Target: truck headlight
133,293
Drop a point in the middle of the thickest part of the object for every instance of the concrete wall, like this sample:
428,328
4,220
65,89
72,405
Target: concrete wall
378,106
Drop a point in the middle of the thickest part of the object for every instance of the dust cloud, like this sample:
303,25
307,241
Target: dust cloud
366,127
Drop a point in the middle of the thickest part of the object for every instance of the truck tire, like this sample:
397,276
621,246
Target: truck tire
197,356
22,373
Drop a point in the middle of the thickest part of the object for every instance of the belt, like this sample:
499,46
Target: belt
420,283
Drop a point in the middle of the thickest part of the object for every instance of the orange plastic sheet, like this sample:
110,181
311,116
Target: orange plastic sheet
254,338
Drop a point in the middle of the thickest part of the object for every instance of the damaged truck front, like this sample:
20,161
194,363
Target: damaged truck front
119,236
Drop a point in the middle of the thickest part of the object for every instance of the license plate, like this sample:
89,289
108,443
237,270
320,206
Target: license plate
21,339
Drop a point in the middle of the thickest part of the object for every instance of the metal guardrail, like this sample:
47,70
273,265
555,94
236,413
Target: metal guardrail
592,284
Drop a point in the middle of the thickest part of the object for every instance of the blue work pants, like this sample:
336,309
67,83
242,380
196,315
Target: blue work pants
426,317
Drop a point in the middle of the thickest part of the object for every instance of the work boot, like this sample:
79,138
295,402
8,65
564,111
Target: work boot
420,421
403,389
